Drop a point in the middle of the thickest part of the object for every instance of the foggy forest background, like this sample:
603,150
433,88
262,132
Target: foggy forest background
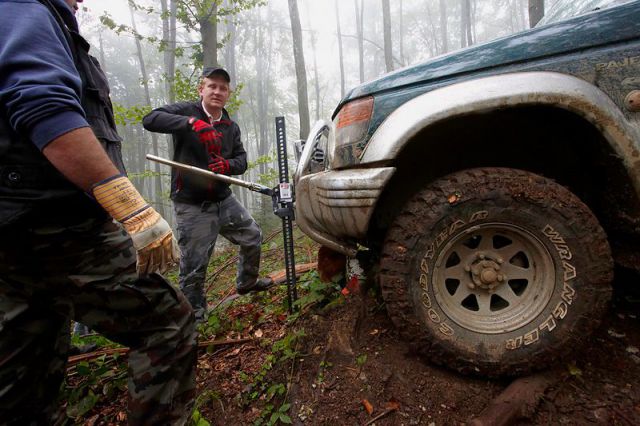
291,58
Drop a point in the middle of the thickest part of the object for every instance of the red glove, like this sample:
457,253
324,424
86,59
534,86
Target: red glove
220,165
208,136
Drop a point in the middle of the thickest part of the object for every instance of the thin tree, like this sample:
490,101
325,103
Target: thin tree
316,78
230,52
147,96
388,49
443,26
301,72
360,35
342,85
401,32
169,47
536,12
466,39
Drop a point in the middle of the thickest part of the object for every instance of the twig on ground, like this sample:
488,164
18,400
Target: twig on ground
381,415
123,351
623,416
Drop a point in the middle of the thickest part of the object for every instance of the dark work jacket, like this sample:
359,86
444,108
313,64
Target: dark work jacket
30,187
188,187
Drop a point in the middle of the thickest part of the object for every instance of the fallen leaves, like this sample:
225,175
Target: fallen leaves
367,406
391,406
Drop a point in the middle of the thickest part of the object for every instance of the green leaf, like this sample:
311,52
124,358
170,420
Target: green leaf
83,368
285,419
83,406
284,408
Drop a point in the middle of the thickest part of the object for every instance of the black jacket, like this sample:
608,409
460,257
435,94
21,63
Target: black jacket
189,187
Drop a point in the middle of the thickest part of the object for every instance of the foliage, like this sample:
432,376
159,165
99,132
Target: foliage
91,381
274,416
186,86
282,350
314,292
130,115
196,417
191,13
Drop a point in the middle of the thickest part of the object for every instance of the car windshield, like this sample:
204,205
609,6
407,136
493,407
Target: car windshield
564,9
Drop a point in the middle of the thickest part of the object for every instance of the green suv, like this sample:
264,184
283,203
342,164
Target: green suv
495,186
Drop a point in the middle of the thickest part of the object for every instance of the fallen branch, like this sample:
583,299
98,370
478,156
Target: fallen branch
381,415
518,400
281,276
123,351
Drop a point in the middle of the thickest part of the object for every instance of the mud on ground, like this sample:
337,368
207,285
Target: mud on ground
341,368
337,376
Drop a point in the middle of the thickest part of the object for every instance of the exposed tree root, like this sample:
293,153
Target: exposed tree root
518,400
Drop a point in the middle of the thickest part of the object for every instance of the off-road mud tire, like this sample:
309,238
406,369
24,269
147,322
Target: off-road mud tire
572,253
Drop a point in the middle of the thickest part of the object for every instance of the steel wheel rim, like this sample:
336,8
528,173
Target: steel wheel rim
493,278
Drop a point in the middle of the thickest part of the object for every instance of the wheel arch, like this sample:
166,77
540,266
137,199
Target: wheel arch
568,130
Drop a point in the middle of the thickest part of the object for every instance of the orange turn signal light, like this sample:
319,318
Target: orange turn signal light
355,112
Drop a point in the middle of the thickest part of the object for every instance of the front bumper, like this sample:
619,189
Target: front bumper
334,207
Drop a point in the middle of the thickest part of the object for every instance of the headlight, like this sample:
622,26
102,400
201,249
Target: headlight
352,121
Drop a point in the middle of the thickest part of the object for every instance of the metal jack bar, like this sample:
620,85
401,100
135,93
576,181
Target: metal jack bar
256,187
281,197
284,209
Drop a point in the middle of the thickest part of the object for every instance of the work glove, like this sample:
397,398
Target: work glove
207,135
156,248
219,165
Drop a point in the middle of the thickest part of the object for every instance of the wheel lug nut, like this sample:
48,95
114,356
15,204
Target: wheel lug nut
467,268
471,286
482,256
500,261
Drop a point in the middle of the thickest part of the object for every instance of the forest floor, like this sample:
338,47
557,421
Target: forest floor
339,361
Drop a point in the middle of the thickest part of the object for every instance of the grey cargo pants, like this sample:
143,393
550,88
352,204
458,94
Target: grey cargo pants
198,229
86,271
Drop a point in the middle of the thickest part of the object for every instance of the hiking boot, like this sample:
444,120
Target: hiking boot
261,284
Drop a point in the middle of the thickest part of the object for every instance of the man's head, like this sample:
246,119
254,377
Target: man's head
214,89
73,4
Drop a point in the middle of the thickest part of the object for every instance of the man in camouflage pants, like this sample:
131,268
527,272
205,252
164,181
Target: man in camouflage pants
77,241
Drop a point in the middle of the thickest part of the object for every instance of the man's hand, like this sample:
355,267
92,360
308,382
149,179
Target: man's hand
208,136
156,248
219,165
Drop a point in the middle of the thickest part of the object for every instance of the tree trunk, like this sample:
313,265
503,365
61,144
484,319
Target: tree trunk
465,23
103,64
316,78
169,41
301,72
154,137
443,26
230,54
388,48
342,85
401,32
209,35
536,12
360,34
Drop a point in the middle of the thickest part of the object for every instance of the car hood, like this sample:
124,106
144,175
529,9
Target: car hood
579,33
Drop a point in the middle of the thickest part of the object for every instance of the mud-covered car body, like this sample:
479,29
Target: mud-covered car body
436,117
495,185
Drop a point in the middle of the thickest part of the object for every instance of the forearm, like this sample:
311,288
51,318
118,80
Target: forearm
238,164
79,156
165,122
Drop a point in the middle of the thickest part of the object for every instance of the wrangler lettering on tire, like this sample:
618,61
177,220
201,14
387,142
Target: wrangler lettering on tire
496,271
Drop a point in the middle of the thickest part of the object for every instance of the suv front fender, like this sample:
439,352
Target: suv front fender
504,91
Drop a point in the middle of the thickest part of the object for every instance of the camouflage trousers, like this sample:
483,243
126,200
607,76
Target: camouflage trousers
198,229
85,271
